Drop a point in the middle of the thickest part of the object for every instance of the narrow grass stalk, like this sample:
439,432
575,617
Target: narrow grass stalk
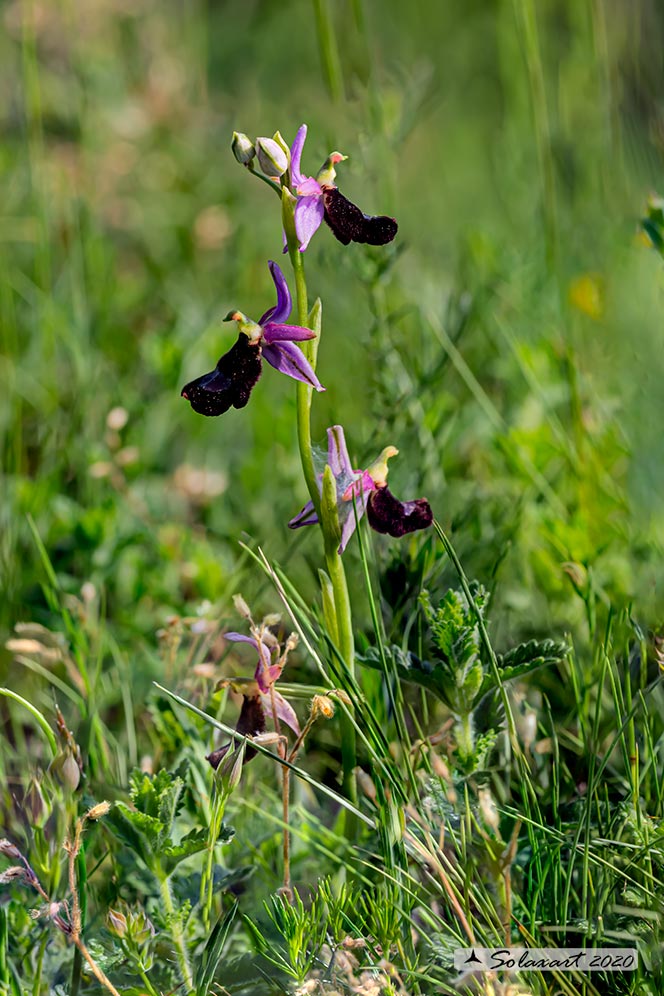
37,715
329,49
391,677
527,18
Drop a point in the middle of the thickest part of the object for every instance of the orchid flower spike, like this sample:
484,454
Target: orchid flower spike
238,370
360,491
318,199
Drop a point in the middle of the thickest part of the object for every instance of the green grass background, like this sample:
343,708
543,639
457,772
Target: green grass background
509,343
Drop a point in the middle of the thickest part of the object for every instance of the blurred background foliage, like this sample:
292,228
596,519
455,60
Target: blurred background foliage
509,342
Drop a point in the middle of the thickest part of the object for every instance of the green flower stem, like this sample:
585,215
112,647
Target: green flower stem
207,878
37,985
146,982
176,933
265,179
37,716
335,568
304,392
337,575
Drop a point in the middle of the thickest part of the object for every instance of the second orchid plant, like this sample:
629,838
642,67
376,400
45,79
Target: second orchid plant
341,494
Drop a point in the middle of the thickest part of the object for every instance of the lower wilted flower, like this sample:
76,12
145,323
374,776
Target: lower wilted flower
270,664
237,371
366,490
260,698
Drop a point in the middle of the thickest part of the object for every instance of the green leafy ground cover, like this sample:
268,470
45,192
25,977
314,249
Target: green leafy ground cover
507,692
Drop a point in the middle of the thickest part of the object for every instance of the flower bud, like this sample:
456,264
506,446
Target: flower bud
8,849
322,705
282,143
35,804
116,922
13,873
271,157
64,768
97,811
140,927
241,607
229,772
243,148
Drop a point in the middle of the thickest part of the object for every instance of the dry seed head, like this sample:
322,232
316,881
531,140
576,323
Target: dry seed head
366,784
50,910
266,739
12,873
206,670
272,619
241,607
339,693
528,728
24,646
147,764
88,592
322,705
292,642
117,418
9,850
97,811
267,638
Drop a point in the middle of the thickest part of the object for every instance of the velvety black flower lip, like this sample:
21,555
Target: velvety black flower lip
388,515
319,198
230,383
250,723
350,224
360,491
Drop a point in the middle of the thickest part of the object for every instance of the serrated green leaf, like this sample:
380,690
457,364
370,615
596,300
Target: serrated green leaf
170,803
124,823
409,667
172,854
525,659
540,651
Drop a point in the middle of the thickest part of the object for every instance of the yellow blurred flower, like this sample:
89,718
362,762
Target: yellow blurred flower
586,294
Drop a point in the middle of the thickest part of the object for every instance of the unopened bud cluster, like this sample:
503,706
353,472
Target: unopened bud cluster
135,931
273,154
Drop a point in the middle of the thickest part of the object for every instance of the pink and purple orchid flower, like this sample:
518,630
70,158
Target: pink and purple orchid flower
260,699
360,491
270,664
318,199
238,370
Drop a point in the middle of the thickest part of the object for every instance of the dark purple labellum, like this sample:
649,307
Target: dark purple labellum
251,722
388,515
349,224
231,381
